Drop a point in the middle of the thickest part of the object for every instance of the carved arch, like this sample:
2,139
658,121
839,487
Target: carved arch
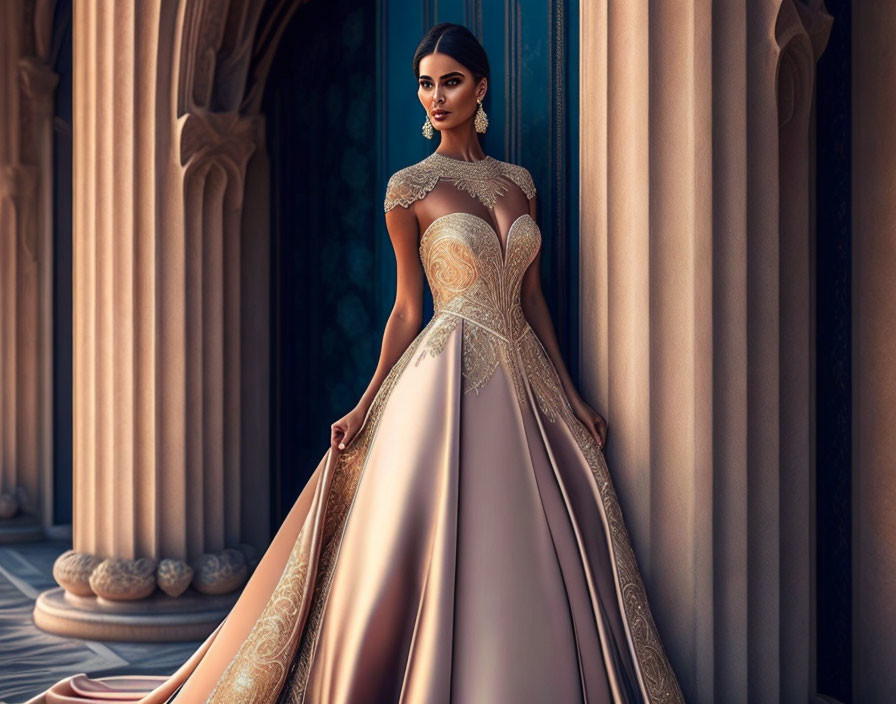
226,50
801,32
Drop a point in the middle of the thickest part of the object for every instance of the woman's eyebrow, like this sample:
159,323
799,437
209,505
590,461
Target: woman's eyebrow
453,73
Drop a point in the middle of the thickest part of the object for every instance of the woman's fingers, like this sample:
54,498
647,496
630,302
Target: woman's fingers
344,440
600,432
336,434
592,428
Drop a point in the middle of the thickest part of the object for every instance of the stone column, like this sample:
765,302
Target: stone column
157,426
873,351
696,322
26,274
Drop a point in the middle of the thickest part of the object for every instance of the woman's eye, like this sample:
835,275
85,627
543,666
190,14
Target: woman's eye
450,82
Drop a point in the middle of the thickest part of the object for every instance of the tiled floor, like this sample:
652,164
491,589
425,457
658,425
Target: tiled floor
31,660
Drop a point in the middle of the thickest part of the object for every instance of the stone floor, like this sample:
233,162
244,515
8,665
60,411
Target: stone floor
31,660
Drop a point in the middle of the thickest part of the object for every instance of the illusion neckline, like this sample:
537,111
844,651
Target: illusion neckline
501,249
439,155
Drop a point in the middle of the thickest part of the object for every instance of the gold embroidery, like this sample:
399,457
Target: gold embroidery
486,179
442,330
542,377
259,667
268,655
473,280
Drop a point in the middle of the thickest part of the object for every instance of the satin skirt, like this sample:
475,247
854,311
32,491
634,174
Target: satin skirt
464,548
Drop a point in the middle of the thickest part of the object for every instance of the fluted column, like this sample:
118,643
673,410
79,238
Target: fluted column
26,274
156,300
873,352
696,310
123,506
157,327
215,150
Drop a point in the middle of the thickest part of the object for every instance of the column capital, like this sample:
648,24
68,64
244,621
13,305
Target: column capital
227,136
817,22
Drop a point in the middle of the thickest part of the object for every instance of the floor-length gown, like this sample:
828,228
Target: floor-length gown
467,545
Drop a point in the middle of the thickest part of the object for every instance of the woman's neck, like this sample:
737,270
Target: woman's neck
464,147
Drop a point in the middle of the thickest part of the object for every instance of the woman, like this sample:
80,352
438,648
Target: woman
460,540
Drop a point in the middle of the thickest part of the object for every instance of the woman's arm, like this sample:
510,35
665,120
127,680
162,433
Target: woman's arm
407,312
539,317
404,321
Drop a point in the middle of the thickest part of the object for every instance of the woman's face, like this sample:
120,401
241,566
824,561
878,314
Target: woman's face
447,91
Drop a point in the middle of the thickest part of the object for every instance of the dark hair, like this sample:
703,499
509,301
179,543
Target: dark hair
459,43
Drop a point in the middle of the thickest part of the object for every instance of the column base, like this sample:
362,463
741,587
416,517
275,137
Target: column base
20,529
159,618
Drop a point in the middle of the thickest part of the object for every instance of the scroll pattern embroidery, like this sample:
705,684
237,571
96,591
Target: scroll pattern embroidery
471,280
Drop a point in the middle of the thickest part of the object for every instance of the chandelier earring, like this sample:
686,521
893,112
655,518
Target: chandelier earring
480,122
427,128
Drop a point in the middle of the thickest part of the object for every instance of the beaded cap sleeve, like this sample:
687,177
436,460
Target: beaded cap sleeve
409,184
485,179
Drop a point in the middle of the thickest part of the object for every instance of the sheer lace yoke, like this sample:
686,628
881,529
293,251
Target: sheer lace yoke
497,193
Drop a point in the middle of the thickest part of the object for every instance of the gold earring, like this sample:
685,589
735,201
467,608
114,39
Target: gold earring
480,122
427,128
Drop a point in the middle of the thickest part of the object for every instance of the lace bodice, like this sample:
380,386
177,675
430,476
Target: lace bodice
474,278
470,272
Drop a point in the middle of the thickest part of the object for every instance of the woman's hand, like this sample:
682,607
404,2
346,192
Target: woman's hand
591,419
343,431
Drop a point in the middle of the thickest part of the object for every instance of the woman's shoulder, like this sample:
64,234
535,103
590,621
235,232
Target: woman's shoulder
520,175
409,184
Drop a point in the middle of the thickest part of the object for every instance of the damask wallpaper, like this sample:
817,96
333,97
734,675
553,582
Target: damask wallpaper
320,104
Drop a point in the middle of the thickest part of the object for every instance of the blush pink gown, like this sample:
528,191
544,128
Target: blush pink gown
467,545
